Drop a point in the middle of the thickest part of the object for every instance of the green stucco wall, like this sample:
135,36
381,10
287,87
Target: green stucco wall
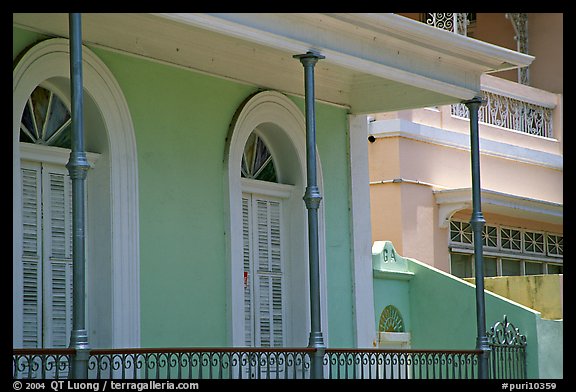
443,314
392,292
181,121
439,311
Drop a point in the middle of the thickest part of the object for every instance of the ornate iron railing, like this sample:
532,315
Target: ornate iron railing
248,363
511,113
508,351
451,21
42,363
400,364
200,363
168,363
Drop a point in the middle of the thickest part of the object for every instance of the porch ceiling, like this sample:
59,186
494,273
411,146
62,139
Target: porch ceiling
374,62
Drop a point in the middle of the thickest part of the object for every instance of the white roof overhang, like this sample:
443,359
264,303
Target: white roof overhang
452,200
374,62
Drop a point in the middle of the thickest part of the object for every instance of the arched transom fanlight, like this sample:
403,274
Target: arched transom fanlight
46,120
257,161
391,320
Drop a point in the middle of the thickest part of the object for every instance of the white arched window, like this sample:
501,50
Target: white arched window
40,123
267,230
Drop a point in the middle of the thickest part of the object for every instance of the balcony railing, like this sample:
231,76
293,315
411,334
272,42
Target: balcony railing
507,360
400,364
507,112
450,21
249,363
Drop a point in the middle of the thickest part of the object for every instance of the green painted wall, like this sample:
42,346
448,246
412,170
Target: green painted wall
392,292
21,39
439,310
443,314
181,121
551,348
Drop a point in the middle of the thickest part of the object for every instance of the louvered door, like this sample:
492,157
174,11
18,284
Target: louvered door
263,271
47,255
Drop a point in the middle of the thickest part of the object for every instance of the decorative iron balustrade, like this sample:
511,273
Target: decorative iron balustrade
400,364
248,363
512,114
168,363
451,21
200,363
42,363
508,351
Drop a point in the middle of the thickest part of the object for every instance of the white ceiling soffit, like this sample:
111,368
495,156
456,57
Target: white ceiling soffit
374,62
452,200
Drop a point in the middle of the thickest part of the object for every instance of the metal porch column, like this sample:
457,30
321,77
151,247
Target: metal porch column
78,167
477,222
312,199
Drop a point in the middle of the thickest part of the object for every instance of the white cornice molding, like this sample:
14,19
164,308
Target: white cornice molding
392,47
439,40
384,28
452,200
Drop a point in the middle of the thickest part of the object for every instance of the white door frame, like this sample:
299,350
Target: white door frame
286,141
50,59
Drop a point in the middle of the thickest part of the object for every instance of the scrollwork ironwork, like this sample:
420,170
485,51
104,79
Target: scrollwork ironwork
505,333
510,113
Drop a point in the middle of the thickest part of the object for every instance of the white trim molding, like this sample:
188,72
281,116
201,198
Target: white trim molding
364,315
50,60
452,200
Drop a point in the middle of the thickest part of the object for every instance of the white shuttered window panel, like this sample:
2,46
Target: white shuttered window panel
264,271
47,254
32,254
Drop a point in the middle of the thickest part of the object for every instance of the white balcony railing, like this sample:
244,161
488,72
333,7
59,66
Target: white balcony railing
451,21
515,114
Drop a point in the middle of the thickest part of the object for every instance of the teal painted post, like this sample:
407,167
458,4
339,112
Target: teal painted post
78,167
312,199
477,222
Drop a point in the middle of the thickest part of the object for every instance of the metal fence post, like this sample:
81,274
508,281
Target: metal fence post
312,199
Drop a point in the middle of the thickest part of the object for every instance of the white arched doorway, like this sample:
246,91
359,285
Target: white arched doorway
277,121
112,208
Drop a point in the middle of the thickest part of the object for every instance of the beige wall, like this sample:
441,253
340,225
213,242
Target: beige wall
547,44
406,212
396,157
539,292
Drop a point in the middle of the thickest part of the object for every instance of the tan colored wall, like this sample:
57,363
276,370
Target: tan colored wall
450,167
539,292
386,214
407,214
547,44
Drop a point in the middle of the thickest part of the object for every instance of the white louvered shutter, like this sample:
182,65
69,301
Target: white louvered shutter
247,261
57,222
32,254
263,271
47,255
268,309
